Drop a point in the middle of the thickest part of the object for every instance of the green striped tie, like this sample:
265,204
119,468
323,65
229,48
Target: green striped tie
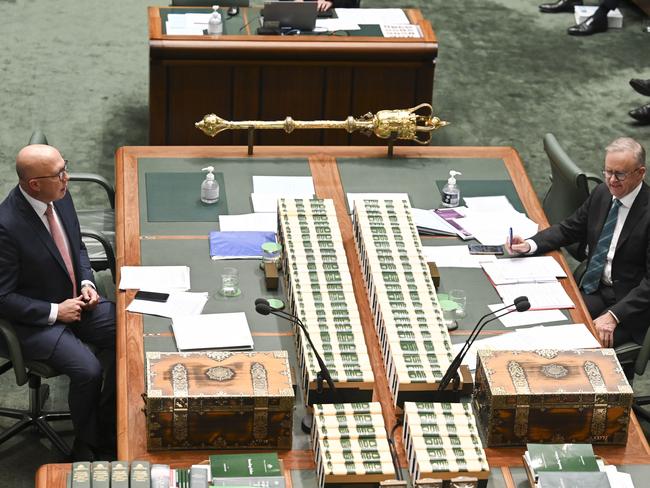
591,279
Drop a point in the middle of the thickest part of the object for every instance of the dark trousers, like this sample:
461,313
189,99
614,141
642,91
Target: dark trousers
91,395
598,303
607,5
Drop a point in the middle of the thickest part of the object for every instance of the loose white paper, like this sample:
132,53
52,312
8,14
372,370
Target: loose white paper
455,257
178,303
228,331
333,25
268,202
262,221
541,296
533,269
530,317
155,278
284,185
369,16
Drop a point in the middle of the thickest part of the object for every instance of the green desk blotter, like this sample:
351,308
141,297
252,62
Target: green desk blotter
481,188
176,197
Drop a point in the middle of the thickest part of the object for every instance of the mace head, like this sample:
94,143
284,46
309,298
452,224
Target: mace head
212,124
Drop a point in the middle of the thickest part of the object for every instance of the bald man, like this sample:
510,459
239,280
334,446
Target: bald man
47,292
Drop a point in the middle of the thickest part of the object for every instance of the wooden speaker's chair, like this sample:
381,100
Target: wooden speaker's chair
31,373
97,224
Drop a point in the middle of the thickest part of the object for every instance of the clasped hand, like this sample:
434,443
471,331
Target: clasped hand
70,309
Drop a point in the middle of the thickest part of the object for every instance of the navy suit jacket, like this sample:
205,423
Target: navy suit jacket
631,262
32,272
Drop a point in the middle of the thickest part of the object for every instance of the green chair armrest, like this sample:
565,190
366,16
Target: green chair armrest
100,180
15,352
108,248
38,137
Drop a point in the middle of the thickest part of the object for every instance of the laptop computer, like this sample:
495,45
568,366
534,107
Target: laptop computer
297,15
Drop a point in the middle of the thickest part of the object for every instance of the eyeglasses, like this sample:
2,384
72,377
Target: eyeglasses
60,175
618,175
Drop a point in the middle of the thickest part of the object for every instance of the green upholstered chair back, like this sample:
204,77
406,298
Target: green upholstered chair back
569,187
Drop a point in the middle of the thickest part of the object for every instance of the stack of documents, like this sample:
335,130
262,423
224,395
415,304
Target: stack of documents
429,223
227,331
568,336
258,222
451,216
490,219
155,278
532,269
542,296
178,303
186,24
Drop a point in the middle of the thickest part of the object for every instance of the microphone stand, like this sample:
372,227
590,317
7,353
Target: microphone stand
520,303
262,307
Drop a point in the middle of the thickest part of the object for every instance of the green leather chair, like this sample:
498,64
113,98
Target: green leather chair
31,373
569,189
97,225
634,360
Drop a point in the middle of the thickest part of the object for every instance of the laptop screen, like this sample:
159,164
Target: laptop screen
297,15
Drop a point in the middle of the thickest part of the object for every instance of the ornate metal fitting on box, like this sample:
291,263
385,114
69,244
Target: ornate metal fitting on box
403,124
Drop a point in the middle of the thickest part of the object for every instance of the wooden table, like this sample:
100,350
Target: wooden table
327,177
243,76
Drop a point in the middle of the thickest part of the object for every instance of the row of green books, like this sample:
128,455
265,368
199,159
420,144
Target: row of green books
570,466
260,470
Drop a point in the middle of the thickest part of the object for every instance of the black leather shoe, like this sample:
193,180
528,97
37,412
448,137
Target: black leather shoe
559,6
641,86
642,114
592,25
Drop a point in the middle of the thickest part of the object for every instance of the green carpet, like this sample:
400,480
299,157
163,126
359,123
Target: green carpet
505,75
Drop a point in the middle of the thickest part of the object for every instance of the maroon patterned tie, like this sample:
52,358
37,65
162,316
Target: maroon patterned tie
59,240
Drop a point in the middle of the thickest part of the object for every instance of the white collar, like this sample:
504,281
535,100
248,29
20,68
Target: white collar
628,199
38,206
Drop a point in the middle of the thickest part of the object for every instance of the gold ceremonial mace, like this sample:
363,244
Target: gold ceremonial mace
403,124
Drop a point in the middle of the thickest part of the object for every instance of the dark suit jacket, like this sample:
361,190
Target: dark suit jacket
631,263
32,271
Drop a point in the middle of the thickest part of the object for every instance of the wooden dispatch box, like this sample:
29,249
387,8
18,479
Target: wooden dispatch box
219,400
551,396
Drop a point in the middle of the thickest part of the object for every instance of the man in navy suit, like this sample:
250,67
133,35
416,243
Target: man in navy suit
616,285
47,292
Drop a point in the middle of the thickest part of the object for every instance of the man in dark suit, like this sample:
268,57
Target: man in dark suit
615,223
47,292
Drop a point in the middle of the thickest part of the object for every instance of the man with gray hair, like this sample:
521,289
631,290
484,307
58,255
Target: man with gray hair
614,222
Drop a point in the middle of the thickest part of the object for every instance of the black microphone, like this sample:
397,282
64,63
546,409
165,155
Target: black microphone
263,308
521,304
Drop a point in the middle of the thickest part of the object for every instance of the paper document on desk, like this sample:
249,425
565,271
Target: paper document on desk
530,317
284,185
238,245
372,16
375,196
492,228
186,24
155,278
429,222
451,216
566,336
497,203
333,25
178,303
532,269
542,296
260,222
228,331
455,257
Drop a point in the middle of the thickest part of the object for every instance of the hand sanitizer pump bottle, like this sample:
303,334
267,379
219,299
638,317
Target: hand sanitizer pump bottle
451,192
215,24
209,187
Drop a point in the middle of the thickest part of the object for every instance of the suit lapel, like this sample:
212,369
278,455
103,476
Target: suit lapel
39,228
638,210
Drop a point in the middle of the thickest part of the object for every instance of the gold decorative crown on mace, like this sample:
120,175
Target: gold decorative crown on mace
405,124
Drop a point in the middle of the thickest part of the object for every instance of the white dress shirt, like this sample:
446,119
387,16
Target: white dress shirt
40,208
